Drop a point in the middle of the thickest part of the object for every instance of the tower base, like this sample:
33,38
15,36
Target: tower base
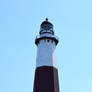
46,79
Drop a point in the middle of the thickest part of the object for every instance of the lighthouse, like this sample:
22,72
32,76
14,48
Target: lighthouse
46,72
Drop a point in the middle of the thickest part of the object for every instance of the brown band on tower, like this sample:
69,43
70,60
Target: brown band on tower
46,79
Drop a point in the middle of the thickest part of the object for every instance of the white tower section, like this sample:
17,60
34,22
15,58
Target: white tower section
46,44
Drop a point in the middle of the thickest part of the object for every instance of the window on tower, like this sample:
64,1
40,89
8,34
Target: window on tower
48,40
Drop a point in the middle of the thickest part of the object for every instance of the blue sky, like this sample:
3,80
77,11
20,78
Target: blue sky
20,23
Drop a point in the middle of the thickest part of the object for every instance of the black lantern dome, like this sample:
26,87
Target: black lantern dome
46,33
46,27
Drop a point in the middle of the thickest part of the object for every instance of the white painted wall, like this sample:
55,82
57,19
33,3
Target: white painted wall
46,54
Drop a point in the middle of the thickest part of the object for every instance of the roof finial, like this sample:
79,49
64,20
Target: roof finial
46,19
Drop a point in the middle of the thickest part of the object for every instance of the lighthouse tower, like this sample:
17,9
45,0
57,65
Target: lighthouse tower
46,73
